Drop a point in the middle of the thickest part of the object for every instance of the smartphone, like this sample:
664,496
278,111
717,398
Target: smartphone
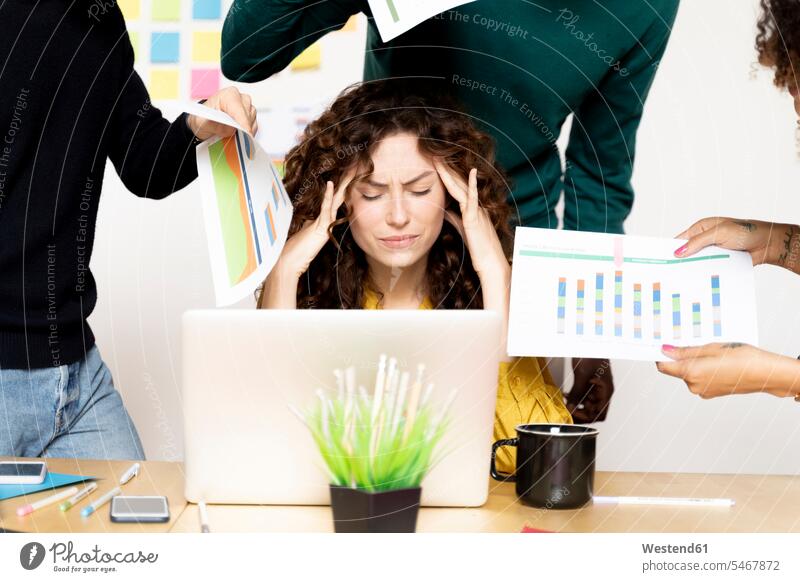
22,473
139,509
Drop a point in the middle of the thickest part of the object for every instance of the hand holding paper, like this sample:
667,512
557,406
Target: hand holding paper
394,17
238,106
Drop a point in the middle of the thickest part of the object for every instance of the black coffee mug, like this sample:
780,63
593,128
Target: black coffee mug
555,464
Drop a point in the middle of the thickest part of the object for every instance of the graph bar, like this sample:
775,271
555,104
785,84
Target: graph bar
657,310
696,322
598,304
562,302
618,303
637,310
581,295
676,316
270,225
715,306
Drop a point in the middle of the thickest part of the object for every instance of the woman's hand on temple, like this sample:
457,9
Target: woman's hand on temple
767,242
305,244
474,224
722,369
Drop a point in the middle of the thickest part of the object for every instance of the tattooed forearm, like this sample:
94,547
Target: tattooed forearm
748,226
733,345
790,255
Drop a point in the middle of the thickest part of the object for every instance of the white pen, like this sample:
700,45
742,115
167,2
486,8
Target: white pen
710,502
78,496
129,474
94,506
203,517
31,507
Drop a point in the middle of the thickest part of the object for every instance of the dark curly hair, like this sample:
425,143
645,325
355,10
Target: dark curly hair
344,137
778,39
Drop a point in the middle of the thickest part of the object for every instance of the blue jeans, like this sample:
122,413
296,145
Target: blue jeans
70,411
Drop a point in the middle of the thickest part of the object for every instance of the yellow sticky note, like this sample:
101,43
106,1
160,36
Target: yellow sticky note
164,84
131,9
206,47
311,58
351,25
166,10
134,36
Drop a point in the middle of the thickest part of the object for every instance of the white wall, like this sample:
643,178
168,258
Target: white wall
713,141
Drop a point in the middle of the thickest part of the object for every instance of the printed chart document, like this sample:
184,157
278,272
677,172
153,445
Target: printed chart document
247,210
610,296
394,17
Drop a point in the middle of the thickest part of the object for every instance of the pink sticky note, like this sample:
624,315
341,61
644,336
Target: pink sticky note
205,82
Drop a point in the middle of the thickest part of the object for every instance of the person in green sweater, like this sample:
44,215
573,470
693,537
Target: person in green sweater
521,69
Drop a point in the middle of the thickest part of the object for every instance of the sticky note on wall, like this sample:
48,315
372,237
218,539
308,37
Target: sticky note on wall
134,36
311,58
206,47
205,82
131,9
207,9
164,83
166,10
165,47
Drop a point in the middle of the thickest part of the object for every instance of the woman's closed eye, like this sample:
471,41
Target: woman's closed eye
376,195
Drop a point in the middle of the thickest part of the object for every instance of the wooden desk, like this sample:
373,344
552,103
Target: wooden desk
155,478
763,504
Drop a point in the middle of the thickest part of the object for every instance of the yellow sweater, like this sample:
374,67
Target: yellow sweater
525,394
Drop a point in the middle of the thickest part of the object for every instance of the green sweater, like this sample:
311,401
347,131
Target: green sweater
520,68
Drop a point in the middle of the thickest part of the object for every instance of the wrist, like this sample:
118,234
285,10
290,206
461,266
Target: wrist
785,247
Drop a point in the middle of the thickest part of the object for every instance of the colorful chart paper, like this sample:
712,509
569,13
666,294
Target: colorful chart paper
643,296
394,17
246,208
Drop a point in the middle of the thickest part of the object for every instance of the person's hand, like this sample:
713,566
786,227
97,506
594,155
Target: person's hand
474,224
305,244
767,242
589,399
733,368
237,105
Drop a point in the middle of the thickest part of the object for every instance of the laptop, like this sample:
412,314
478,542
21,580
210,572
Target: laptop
244,369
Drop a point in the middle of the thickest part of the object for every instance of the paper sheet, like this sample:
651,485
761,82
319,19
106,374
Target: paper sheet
52,481
394,17
609,296
246,208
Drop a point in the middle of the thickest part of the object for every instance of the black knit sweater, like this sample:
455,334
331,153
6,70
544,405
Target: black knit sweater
69,99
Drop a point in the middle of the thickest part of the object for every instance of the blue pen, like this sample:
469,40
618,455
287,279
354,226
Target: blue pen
94,506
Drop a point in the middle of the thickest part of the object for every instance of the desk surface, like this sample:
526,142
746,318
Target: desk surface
763,504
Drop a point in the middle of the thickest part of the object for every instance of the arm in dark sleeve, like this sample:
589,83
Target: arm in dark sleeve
261,37
152,156
598,195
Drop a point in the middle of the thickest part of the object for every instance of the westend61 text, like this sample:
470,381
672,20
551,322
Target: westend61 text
670,549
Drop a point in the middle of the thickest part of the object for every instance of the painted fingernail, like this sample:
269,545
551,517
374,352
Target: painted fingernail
681,250
667,348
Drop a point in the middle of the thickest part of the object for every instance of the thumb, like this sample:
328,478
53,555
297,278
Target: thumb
692,352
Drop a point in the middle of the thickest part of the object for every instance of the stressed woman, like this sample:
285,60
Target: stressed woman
399,205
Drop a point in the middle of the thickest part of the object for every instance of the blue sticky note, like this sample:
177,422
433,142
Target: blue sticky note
207,9
165,47
52,481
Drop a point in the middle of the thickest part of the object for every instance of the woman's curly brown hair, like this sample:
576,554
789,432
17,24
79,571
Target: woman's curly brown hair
344,137
778,39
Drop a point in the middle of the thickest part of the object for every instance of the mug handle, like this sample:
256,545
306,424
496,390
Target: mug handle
493,468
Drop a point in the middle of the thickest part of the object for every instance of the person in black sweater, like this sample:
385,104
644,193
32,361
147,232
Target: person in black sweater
70,99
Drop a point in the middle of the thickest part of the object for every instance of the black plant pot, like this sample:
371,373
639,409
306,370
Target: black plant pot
357,511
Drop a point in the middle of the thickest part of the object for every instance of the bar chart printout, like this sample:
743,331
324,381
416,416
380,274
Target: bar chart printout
627,320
